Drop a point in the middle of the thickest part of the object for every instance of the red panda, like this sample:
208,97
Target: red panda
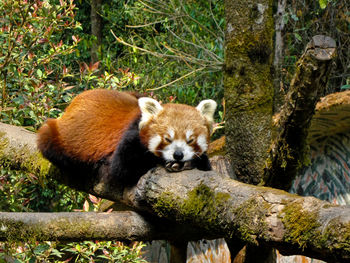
127,134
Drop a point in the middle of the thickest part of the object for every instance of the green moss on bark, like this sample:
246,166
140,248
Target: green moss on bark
9,230
22,158
205,207
250,220
201,204
337,236
13,230
304,228
301,226
249,86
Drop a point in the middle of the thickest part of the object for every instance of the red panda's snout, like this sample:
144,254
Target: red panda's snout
175,146
176,132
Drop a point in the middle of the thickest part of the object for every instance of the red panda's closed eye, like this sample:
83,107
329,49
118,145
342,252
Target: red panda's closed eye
167,139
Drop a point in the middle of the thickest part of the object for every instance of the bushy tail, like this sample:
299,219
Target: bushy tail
49,142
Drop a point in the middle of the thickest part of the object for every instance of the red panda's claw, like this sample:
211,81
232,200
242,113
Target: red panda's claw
173,167
188,165
178,166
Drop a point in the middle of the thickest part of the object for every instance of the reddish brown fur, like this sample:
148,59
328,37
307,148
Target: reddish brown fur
91,126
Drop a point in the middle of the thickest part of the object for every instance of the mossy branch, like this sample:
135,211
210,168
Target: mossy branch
289,151
79,226
195,204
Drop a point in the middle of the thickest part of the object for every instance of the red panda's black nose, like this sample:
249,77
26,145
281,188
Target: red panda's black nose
178,155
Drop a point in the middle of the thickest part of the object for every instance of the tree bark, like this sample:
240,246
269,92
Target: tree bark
79,226
249,90
248,85
278,97
212,206
96,29
289,151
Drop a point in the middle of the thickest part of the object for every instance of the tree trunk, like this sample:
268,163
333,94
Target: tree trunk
278,59
249,90
96,30
248,86
252,95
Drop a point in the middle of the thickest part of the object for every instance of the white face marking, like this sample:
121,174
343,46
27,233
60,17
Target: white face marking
154,143
202,142
171,133
178,145
189,133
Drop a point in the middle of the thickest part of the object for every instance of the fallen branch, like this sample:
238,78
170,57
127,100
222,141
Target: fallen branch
256,215
79,226
211,205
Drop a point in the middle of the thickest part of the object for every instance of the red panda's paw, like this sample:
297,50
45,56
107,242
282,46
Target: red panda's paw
178,166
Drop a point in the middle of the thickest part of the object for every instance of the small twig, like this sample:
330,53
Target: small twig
187,57
152,23
210,53
178,79
216,23
197,22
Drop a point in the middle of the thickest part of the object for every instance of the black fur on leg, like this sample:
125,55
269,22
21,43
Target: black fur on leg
202,163
132,159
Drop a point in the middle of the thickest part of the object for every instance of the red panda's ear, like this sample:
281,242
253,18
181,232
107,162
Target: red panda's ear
207,109
149,108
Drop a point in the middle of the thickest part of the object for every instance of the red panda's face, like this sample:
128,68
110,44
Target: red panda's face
176,132
178,145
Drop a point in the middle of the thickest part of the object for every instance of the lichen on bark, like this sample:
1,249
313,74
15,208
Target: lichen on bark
248,86
200,203
304,229
21,157
290,151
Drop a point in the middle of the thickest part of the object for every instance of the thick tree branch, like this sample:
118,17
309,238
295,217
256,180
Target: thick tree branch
212,205
293,224
289,151
76,226
18,150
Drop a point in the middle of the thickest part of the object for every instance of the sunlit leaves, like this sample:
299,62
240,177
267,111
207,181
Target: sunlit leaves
323,3
32,34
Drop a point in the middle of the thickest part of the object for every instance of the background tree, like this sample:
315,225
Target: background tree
96,30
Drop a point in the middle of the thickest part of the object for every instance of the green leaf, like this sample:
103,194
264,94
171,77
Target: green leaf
78,247
345,87
297,36
39,73
41,248
323,3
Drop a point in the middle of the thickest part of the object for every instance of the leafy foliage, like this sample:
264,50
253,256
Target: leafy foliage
39,67
175,46
28,193
32,58
87,251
